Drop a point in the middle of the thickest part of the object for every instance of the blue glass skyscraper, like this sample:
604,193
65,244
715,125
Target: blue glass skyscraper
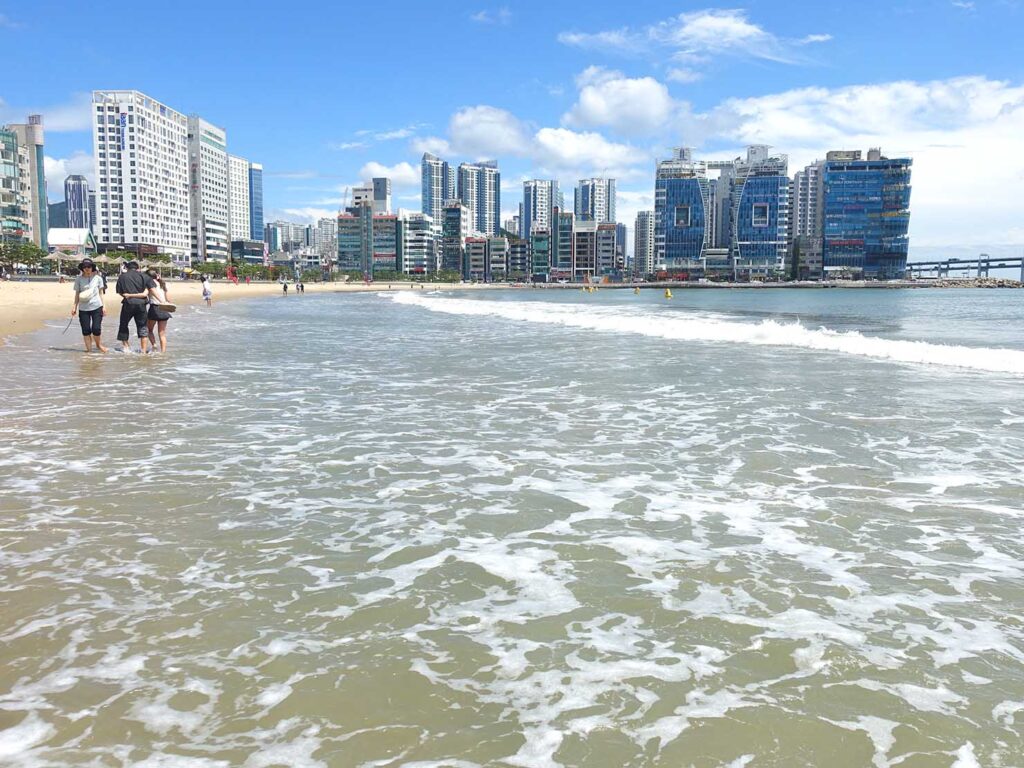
762,224
256,201
682,204
866,215
76,195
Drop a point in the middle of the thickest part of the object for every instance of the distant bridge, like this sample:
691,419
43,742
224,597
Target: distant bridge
979,266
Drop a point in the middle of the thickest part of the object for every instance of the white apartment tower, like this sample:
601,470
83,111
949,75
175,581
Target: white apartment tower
239,224
540,198
208,190
643,244
806,200
140,148
438,185
595,200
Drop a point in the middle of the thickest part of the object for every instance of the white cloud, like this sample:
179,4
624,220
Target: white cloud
431,144
501,16
627,105
808,39
683,75
57,169
342,146
695,37
401,174
74,115
560,150
485,132
966,5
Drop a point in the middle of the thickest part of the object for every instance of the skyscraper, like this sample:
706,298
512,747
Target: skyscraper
760,213
682,200
76,195
438,185
141,153
208,190
455,228
595,200
806,201
866,214
540,198
30,136
15,189
239,224
256,201
417,254
479,189
643,244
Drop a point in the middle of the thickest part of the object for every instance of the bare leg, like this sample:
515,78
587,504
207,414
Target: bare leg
162,328
150,324
99,344
87,340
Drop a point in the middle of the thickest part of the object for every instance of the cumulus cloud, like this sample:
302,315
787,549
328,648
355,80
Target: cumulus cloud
696,36
56,169
432,144
401,174
485,132
566,151
627,105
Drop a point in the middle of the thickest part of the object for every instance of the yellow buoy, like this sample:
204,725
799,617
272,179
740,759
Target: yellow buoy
668,293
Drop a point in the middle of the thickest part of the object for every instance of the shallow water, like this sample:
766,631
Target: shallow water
521,528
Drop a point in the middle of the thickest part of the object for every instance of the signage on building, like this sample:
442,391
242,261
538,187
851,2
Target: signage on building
124,129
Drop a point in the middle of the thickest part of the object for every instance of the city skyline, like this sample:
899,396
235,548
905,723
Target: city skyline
800,79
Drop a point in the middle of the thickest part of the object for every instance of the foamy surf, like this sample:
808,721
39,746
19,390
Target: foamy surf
678,326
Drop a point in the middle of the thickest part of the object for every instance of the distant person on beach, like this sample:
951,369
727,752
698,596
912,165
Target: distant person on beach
156,318
103,274
284,285
89,304
133,288
207,290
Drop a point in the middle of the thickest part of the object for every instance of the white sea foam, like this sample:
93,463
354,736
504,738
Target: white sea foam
692,327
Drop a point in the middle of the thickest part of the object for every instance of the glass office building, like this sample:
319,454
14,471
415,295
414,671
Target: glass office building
866,215
681,217
256,201
762,225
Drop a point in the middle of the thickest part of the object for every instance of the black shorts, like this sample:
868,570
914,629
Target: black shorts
157,314
91,320
132,313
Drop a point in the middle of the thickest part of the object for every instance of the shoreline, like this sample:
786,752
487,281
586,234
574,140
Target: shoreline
26,307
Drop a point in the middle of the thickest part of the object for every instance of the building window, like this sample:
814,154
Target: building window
759,215
682,215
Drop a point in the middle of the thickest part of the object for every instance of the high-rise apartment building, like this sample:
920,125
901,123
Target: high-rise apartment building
479,189
256,201
438,185
866,214
327,239
239,224
30,136
643,244
595,200
805,207
141,156
682,202
76,196
15,189
417,244
208,190
540,199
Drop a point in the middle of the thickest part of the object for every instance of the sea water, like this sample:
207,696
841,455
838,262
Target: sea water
521,528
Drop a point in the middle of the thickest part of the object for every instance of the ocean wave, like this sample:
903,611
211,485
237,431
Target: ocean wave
678,326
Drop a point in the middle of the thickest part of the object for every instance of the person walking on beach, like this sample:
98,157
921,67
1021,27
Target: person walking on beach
284,285
156,318
89,304
207,290
133,288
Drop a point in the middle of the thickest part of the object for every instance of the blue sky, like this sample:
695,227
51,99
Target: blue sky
326,94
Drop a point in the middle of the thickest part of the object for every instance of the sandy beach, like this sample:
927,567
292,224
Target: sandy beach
27,306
